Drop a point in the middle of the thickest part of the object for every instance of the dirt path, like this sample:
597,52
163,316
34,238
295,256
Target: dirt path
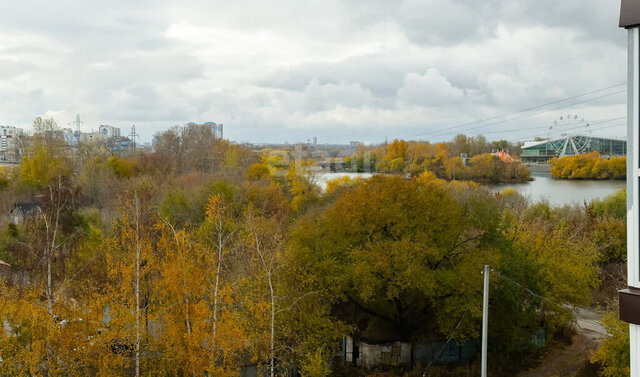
568,360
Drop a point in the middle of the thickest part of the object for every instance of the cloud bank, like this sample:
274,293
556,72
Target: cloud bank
287,70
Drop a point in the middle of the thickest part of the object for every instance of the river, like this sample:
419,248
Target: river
557,192
322,177
560,192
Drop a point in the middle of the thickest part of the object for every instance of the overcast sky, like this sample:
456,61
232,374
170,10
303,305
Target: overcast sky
340,70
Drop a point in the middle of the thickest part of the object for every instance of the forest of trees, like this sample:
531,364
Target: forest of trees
205,257
443,159
589,166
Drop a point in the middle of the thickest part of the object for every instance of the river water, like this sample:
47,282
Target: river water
560,192
322,177
557,192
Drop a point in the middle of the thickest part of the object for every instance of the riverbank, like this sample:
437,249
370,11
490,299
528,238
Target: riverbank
538,168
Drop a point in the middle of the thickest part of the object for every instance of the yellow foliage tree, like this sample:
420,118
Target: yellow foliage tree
588,166
131,265
38,170
301,184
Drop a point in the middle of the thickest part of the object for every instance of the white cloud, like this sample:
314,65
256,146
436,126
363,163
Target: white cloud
430,89
285,69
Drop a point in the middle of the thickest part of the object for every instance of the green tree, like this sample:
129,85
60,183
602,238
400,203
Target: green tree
43,167
383,250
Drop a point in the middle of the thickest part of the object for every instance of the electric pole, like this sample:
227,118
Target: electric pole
485,321
133,135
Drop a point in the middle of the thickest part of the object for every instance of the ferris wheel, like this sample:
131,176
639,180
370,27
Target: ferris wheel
569,135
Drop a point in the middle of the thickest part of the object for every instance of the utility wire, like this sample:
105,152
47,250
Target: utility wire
600,121
437,356
564,307
528,108
593,129
523,110
503,276
530,114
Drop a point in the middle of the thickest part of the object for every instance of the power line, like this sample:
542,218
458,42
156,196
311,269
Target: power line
525,109
593,129
529,291
564,307
606,120
535,113
437,356
600,121
529,108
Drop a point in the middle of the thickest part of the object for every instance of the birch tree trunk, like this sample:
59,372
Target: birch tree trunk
268,268
215,291
51,244
185,293
137,285
273,327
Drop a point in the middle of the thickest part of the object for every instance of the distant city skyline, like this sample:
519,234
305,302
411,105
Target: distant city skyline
337,70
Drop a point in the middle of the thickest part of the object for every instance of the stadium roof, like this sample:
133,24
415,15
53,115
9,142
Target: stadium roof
529,144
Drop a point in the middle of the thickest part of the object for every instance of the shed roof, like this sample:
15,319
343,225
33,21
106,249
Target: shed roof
630,13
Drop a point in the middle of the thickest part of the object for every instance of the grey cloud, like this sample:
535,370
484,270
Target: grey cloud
382,75
430,89
431,63
443,22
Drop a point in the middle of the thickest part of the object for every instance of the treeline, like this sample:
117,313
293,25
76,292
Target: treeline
204,258
589,166
443,159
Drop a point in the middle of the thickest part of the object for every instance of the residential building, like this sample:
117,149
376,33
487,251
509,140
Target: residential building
9,147
109,131
217,128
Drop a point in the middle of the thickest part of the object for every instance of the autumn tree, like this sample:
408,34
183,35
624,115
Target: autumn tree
373,238
48,135
614,351
399,259
266,241
561,246
195,336
219,231
46,160
302,186
395,159
588,166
